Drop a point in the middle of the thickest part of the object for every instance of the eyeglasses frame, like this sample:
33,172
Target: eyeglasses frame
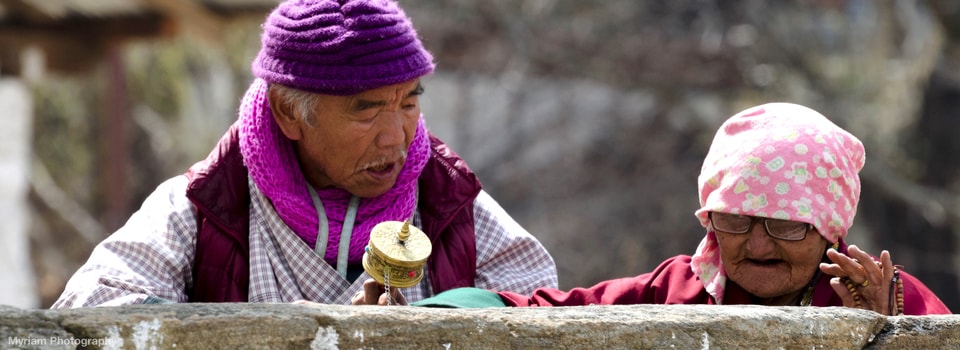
766,228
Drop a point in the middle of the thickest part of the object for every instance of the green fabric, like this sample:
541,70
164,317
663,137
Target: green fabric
157,300
463,298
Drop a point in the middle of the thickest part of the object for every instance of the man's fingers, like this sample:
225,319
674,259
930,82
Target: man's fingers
358,298
372,291
398,297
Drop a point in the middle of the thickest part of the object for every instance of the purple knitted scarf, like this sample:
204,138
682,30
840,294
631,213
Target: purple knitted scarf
272,164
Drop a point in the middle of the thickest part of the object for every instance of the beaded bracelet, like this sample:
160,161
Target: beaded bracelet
898,282
852,287
895,294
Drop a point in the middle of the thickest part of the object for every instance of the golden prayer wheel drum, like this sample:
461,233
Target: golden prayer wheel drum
396,254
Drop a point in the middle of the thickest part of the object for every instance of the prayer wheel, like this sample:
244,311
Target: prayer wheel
396,254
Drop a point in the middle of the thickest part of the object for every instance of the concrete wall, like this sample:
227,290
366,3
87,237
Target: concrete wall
285,326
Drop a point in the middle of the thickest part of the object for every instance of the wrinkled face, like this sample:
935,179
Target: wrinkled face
359,142
767,267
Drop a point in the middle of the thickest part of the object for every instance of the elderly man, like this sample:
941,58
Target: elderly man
329,142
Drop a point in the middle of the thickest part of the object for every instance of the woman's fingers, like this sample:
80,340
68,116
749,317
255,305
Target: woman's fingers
887,264
868,279
843,266
872,274
842,291
859,267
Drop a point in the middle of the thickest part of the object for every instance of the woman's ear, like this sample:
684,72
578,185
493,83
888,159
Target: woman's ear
288,121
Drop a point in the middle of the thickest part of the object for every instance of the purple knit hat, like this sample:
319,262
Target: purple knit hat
340,47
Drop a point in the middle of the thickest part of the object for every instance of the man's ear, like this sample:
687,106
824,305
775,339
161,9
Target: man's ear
285,116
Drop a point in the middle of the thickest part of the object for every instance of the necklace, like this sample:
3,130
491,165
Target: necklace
323,230
807,297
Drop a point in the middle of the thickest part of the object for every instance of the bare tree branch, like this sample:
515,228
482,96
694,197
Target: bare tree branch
938,207
57,200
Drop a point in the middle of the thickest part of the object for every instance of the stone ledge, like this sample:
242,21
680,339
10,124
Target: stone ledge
278,326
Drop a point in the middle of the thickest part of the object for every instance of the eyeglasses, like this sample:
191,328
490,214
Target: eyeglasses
779,229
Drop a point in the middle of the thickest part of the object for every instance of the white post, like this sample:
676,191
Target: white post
18,285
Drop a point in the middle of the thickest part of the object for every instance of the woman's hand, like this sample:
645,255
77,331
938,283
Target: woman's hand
860,278
375,294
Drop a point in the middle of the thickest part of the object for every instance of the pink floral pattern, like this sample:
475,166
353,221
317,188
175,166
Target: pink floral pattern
778,160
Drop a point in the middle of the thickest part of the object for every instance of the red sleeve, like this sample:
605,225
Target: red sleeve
672,282
920,300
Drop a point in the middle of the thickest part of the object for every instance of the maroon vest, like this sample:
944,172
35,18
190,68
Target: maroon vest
218,188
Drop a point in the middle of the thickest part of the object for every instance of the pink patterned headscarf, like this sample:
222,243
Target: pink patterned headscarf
782,161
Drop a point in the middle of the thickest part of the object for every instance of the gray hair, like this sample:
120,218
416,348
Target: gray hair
304,104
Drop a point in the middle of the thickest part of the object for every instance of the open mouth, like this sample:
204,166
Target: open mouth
765,262
382,169
379,168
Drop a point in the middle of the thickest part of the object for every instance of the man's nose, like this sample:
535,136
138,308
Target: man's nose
391,132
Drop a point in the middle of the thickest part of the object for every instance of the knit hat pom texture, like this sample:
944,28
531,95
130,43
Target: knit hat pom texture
340,47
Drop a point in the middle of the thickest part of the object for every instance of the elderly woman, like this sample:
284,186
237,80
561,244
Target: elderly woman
778,192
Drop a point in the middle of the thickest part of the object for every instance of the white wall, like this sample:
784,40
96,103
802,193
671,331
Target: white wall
17,281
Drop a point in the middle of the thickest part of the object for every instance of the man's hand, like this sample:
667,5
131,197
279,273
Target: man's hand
374,294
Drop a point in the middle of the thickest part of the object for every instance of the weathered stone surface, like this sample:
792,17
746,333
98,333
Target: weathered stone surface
912,332
284,326
38,326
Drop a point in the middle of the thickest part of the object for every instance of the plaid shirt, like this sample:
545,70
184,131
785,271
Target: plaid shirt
150,258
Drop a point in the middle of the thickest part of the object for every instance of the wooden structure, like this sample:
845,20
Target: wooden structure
75,34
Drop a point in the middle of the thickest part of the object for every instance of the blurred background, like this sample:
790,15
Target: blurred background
587,120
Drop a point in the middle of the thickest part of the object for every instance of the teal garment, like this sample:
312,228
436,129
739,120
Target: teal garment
157,300
463,298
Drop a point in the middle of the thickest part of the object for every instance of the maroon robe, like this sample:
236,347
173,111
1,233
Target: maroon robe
673,282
